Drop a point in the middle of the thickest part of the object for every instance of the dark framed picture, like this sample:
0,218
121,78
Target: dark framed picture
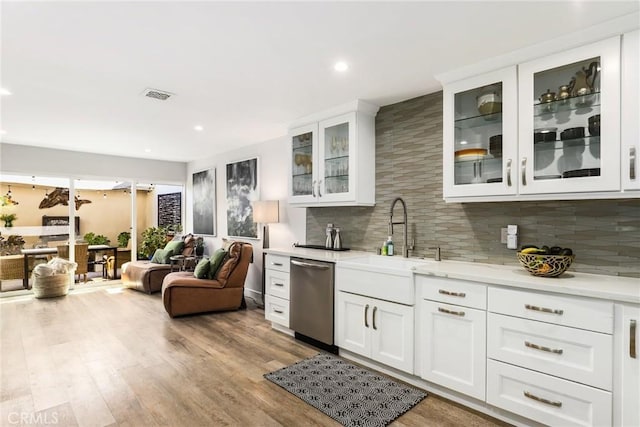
242,189
204,202
170,210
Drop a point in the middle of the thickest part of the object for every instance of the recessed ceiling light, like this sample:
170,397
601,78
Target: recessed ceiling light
198,128
147,150
341,66
4,91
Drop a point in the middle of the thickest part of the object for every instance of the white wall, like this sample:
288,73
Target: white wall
273,165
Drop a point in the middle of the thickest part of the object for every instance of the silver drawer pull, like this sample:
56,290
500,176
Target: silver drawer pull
453,294
543,309
456,313
543,348
366,309
542,400
632,339
278,311
278,284
277,264
632,163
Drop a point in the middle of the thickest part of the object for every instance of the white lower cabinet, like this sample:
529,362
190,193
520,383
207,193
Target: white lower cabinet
627,366
379,330
276,298
546,399
453,347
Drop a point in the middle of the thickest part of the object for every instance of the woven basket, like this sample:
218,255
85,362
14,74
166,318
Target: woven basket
51,286
545,265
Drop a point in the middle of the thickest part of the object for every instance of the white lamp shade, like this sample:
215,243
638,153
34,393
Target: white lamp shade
266,211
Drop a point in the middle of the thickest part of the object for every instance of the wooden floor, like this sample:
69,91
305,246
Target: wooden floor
107,358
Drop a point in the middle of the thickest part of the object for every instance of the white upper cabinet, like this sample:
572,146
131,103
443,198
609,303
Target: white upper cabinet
630,132
481,135
561,126
569,128
333,158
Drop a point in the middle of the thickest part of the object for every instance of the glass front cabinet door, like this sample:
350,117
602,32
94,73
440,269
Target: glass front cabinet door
336,155
303,177
569,127
480,135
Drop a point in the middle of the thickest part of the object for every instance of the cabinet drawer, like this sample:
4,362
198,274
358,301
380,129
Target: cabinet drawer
277,283
546,399
277,262
451,291
276,310
573,354
583,313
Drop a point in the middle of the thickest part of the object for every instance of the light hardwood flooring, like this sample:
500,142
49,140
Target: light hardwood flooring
106,358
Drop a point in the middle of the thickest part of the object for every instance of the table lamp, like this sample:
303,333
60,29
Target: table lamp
266,212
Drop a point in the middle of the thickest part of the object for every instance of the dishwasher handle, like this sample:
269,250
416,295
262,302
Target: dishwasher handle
309,264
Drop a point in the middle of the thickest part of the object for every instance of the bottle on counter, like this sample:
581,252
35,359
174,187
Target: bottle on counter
337,241
389,244
383,249
328,243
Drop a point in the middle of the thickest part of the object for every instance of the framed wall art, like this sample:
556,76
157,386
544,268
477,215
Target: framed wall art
169,210
242,189
204,202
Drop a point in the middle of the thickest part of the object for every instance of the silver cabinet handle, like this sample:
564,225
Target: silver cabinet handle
373,317
277,264
319,187
542,400
475,169
313,188
453,294
509,172
278,284
278,311
366,309
632,339
309,264
480,169
543,348
632,163
455,313
543,309
523,166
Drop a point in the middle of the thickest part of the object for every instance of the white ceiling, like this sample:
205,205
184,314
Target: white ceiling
242,70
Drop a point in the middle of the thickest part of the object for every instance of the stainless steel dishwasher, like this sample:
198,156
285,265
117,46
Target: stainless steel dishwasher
311,302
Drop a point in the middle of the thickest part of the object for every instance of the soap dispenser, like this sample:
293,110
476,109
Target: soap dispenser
389,245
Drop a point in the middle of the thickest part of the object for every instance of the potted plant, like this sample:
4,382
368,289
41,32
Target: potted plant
8,219
96,239
123,239
152,238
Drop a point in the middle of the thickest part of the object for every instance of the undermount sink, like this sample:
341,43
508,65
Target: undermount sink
394,263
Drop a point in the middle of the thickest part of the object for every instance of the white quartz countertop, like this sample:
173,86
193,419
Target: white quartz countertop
622,289
316,254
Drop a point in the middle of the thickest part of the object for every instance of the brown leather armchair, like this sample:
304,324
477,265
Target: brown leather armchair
182,293
146,276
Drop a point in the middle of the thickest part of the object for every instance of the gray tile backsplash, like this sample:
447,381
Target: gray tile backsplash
605,234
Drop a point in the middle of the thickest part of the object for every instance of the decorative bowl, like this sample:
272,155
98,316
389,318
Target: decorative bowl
545,265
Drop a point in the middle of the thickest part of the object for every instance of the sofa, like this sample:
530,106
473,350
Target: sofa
183,293
147,276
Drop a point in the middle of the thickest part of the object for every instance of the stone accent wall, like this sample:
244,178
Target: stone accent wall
604,234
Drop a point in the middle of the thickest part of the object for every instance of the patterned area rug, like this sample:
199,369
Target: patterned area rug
351,395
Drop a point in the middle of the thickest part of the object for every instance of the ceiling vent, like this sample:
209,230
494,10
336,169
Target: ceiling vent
157,94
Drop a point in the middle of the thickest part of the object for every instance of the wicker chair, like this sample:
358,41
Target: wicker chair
11,268
82,257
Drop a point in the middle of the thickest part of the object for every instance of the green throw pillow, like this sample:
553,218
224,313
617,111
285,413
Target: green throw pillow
202,269
161,256
215,262
175,246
